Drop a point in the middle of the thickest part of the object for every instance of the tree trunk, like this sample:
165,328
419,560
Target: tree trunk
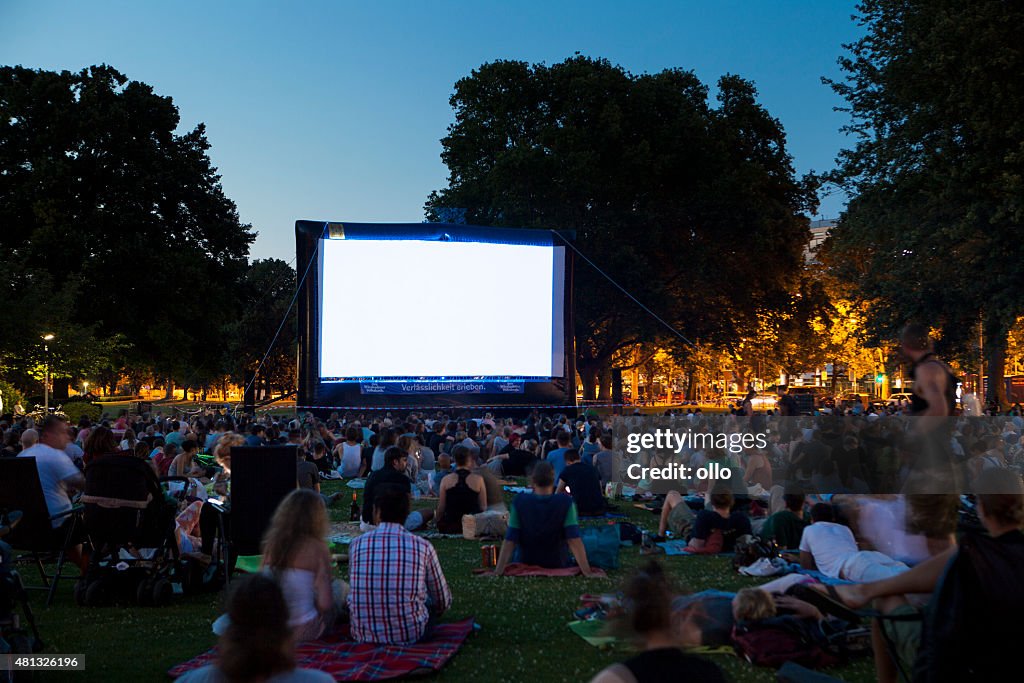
168,389
691,383
996,338
589,378
604,390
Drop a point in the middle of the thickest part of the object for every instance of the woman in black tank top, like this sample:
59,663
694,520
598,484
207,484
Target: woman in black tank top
456,501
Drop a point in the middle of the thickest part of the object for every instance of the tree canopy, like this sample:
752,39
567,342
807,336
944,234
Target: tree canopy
936,172
694,208
114,228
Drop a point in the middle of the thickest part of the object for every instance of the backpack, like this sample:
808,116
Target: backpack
749,549
773,642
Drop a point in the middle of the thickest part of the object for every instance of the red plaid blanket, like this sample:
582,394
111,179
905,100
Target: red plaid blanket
347,660
519,569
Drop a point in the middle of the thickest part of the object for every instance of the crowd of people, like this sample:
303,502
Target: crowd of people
840,497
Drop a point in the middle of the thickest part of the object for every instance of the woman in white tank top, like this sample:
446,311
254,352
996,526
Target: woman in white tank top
295,551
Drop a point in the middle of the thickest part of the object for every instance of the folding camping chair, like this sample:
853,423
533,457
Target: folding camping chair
34,536
260,479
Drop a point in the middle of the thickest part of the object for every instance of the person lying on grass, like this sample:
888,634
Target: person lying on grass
544,526
648,619
710,531
258,644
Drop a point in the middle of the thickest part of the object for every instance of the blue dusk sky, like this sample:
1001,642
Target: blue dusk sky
334,110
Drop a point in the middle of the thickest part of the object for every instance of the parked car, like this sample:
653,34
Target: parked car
898,400
848,400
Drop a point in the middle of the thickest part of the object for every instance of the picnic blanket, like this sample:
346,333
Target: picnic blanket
606,515
348,660
827,580
594,632
678,547
520,569
517,489
356,483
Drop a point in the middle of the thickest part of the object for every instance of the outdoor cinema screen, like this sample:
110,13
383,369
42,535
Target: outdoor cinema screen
432,309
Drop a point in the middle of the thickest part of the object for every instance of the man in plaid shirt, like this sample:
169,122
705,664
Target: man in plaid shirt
397,583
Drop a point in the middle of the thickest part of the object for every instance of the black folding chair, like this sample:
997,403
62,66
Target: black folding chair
34,537
261,477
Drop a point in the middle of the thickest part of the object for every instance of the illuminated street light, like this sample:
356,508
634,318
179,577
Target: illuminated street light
47,338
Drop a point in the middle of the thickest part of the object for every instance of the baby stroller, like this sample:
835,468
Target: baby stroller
13,637
131,526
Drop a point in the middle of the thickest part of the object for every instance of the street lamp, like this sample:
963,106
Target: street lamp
85,387
47,338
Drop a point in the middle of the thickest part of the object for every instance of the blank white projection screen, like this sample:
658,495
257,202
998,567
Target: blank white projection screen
406,308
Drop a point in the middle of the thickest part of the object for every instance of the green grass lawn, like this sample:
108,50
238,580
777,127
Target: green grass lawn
523,636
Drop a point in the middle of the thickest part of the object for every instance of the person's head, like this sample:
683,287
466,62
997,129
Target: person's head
407,443
299,518
444,462
294,436
29,438
722,498
257,429
543,476
189,447
170,450
129,436
390,505
647,604
572,456
606,442
258,642
101,441
915,341
822,512
753,604
141,450
794,501
396,458
222,449
388,437
1000,499
463,456
352,434
563,438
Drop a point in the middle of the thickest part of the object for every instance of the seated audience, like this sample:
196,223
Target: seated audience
58,476
461,492
308,477
295,552
583,483
720,520
397,585
258,644
543,526
393,473
511,460
786,527
648,617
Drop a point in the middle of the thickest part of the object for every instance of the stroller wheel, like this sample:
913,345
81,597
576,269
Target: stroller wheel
162,592
97,594
144,592
81,587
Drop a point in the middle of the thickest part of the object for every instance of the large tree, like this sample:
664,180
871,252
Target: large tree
936,174
102,198
694,209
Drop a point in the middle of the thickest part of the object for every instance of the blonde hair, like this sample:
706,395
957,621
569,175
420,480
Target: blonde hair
222,449
301,516
753,604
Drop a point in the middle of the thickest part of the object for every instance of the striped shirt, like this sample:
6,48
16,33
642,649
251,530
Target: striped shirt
396,584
